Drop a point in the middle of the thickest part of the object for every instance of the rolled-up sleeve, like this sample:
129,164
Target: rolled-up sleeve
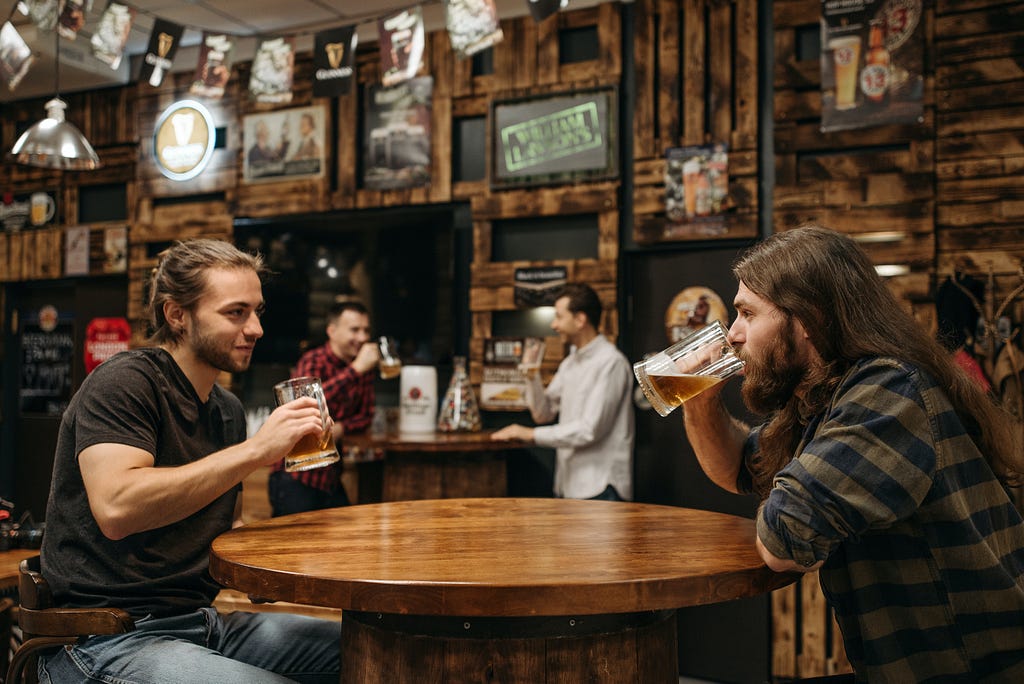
868,464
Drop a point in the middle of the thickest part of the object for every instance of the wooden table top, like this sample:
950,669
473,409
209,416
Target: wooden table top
497,557
429,441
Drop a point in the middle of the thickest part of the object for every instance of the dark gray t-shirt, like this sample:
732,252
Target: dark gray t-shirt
142,399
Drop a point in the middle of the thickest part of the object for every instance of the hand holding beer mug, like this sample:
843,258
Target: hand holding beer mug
697,362
390,365
532,357
312,451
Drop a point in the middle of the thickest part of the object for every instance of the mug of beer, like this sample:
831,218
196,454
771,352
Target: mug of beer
42,208
390,365
312,451
699,361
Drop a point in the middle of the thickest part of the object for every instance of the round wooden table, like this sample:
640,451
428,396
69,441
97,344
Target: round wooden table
513,590
430,465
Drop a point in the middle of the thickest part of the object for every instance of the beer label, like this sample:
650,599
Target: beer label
874,81
845,55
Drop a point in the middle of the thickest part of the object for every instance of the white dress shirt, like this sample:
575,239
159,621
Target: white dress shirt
591,394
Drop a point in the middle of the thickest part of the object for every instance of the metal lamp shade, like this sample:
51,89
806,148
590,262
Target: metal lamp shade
55,143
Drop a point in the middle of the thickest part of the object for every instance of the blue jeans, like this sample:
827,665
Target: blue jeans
288,495
206,647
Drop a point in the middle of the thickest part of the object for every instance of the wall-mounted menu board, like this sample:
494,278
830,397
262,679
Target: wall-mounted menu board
47,351
555,138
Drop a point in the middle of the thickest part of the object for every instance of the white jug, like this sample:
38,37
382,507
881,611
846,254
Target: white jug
418,399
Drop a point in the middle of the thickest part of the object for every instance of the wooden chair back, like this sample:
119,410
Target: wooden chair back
45,627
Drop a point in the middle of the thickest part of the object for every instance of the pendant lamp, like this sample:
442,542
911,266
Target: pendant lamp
54,143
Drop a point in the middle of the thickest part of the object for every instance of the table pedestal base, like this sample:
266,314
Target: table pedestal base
382,648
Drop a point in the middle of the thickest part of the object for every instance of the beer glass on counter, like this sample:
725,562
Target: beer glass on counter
390,365
312,451
697,362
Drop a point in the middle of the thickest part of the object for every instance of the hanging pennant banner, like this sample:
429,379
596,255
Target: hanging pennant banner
72,17
472,25
212,69
273,69
333,61
43,13
542,9
163,43
401,45
15,56
112,33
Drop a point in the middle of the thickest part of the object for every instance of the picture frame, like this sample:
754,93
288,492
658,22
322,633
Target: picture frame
286,144
555,138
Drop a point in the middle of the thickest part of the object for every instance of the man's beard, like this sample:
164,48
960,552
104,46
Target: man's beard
207,350
770,381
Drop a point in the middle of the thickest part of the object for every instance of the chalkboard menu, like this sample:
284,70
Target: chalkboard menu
555,139
47,351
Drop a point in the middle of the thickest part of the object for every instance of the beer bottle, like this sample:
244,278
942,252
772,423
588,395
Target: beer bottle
875,78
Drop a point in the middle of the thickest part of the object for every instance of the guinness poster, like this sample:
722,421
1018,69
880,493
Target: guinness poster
112,34
213,68
333,59
401,45
163,43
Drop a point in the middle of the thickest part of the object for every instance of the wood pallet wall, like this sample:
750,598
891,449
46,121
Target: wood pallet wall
866,182
696,84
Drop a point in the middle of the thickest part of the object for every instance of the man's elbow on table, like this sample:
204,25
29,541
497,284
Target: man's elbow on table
782,564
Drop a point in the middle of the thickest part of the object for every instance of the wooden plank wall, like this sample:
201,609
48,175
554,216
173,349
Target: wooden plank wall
528,62
865,182
696,84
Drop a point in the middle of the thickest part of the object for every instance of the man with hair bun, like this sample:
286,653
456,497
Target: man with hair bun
148,469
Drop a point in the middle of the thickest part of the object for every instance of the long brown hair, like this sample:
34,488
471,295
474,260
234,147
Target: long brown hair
827,282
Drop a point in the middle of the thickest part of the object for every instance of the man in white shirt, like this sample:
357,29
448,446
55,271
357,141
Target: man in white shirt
591,396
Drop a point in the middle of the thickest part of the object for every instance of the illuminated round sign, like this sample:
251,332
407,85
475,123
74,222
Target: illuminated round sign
183,140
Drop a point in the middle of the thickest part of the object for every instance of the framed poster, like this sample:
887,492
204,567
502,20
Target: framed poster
872,63
398,135
284,145
555,138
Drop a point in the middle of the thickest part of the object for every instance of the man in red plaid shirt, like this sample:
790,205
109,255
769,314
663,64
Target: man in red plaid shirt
345,365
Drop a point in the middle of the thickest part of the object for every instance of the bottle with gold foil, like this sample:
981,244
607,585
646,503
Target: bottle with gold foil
876,77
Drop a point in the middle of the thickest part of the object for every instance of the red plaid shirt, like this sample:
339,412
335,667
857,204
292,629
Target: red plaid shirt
350,400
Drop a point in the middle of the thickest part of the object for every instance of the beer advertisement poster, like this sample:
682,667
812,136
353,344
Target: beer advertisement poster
503,385
159,57
872,61
398,135
697,190
15,56
286,144
333,61
401,45
472,26
111,35
212,69
273,69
